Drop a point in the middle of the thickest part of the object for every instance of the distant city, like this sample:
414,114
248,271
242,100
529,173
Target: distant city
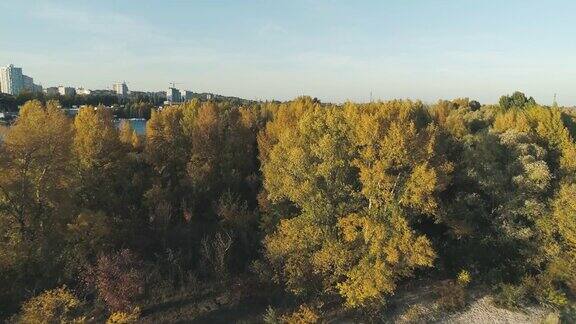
14,82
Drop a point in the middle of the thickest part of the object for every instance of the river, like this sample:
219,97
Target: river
139,124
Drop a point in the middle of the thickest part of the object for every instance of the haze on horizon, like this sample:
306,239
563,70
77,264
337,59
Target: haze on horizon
333,50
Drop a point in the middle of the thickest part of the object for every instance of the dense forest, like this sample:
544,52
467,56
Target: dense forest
305,209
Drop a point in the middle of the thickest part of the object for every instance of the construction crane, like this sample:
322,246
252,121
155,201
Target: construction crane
173,84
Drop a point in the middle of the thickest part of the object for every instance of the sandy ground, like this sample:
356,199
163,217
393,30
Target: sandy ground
483,310
416,303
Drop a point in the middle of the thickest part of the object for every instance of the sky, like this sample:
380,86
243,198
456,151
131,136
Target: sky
271,49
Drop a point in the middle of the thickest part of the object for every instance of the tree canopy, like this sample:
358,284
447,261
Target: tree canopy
330,204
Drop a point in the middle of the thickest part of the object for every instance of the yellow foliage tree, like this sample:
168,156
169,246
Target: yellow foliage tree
53,306
357,177
35,161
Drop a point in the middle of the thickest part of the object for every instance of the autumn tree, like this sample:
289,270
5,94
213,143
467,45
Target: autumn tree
100,158
129,137
35,190
167,151
358,182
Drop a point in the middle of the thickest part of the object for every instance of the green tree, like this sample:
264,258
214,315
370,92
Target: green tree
516,100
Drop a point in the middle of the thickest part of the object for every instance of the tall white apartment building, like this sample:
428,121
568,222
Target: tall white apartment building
121,89
11,80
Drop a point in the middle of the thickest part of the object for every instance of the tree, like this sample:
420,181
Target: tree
516,100
558,234
118,279
36,157
35,204
357,181
167,152
129,137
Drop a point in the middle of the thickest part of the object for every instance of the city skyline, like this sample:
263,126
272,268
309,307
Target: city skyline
332,50
13,81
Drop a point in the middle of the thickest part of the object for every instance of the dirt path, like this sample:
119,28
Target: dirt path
483,310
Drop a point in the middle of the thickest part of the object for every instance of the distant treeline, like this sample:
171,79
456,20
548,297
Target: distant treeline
134,105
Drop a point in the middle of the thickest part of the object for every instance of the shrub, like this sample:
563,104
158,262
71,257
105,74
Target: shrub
568,314
414,314
555,297
215,253
464,278
118,280
53,306
271,316
264,272
543,289
510,296
304,315
451,296
124,317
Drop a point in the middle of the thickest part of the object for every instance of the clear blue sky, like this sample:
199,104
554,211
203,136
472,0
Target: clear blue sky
334,50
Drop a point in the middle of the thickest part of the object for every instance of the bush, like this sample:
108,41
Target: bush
124,317
568,314
555,298
464,278
510,296
215,251
118,280
271,316
543,289
304,315
414,314
53,306
451,296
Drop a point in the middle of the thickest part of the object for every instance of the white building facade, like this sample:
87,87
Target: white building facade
121,89
83,91
11,80
66,91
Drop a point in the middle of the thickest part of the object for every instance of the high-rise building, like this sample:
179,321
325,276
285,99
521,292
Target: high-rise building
27,83
187,95
121,89
11,80
173,95
66,91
